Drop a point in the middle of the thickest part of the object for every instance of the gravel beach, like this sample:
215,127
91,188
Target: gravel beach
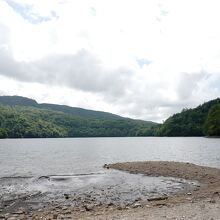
203,202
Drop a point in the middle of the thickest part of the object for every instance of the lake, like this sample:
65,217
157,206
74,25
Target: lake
87,155
74,166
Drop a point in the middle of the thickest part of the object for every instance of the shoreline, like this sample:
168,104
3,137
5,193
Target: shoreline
208,177
202,202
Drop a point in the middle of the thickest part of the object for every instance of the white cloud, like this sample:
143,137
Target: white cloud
143,59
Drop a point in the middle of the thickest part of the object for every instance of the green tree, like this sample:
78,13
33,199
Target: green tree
212,124
3,133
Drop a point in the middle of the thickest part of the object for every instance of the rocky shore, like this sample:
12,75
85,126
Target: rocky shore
201,202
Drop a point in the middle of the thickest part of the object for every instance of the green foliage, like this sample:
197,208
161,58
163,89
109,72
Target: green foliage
31,122
3,133
19,122
189,122
24,118
212,124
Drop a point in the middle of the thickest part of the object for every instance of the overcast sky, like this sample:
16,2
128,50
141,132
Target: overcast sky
144,59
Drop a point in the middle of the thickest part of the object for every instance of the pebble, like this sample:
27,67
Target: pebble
66,196
88,207
202,206
67,212
136,205
19,212
212,201
55,216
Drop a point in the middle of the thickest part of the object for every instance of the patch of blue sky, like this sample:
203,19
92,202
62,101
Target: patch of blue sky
141,62
27,13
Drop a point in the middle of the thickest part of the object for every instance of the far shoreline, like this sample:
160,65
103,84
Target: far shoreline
34,138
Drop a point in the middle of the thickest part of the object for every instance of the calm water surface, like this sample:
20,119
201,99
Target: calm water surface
88,155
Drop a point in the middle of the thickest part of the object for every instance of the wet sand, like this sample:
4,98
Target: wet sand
203,202
207,176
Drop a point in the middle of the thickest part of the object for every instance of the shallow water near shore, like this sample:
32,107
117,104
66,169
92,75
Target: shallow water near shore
38,172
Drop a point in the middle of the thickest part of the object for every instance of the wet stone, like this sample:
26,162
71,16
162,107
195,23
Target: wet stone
88,207
130,190
19,212
212,201
55,216
136,205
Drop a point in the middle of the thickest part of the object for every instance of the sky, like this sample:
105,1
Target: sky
144,59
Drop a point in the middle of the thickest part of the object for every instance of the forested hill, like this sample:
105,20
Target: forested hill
23,101
203,120
24,118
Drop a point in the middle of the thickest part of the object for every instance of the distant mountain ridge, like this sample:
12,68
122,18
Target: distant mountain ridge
76,111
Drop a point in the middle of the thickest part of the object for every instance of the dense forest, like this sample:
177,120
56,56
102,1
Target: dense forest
203,120
24,118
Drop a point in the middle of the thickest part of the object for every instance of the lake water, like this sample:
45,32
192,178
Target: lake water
75,166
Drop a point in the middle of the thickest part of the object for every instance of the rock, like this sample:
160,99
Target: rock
160,204
202,206
88,207
138,199
66,196
55,216
7,215
67,212
44,177
106,166
189,193
119,208
68,217
19,212
136,205
212,201
158,198
110,204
